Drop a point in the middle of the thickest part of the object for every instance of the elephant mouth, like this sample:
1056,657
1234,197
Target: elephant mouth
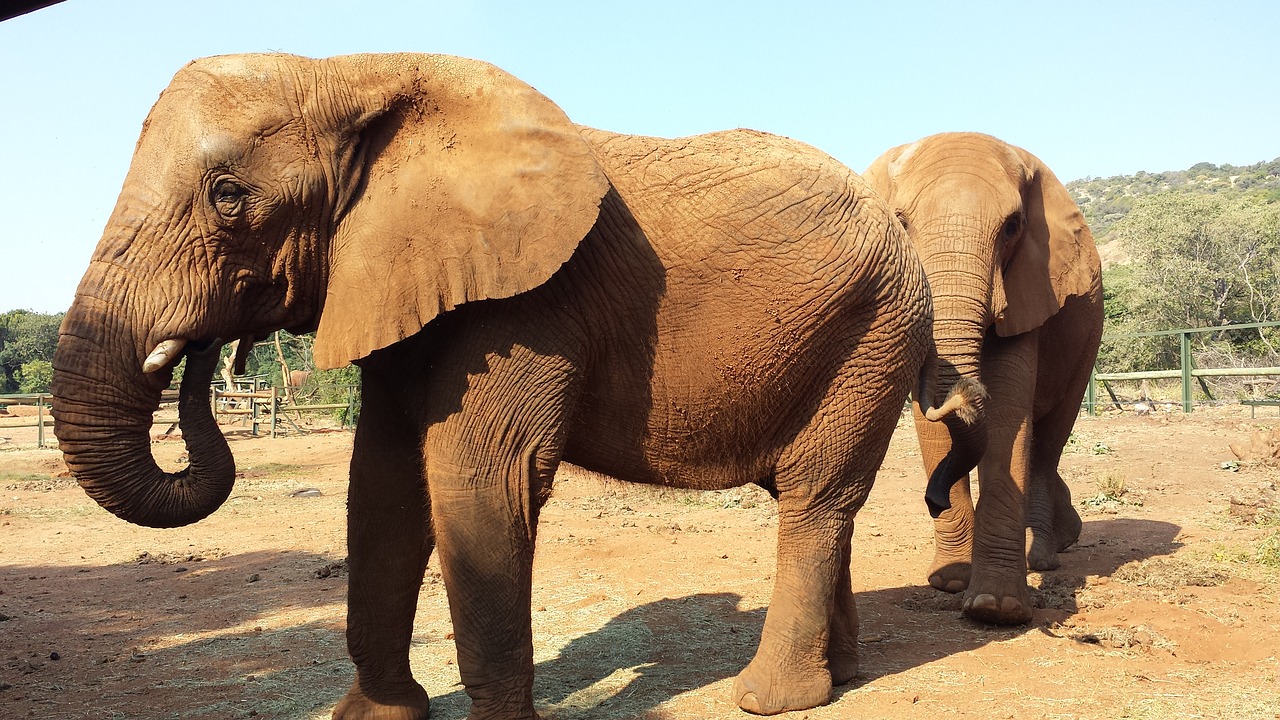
168,353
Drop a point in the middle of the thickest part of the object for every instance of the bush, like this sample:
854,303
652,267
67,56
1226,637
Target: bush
35,376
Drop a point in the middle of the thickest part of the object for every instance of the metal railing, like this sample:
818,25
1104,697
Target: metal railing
1186,371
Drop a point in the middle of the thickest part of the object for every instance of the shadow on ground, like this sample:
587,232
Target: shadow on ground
260,635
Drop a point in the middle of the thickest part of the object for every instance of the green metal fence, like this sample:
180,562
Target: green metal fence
1186,372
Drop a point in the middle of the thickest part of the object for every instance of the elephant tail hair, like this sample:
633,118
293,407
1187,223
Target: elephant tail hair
967,401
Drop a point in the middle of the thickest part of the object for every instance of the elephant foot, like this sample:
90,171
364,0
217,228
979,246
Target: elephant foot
407,701
952,577
1066,526
765,692
843,667
1041,559
1011,606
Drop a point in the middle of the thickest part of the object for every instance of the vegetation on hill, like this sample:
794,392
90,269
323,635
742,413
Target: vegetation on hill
1192,248
1105,201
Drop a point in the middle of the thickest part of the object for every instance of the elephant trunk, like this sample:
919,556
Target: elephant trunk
102,407
959,327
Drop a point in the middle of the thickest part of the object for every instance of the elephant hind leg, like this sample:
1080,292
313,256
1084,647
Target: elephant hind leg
953,542
809,640
842,647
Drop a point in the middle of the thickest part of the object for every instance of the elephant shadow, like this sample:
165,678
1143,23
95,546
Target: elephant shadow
262,632
643,658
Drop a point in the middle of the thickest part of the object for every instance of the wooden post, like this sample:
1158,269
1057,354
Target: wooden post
40,421
274,401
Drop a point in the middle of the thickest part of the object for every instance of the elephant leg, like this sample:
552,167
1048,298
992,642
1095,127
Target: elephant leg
953,542
809,640
842,647
953,529
790,670
1052,519
388,543
490,465
997,591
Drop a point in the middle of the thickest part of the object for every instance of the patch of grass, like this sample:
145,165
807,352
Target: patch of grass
1111,496
1265,554
270,468
29,481
1170,573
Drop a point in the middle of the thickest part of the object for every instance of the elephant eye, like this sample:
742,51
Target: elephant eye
1013,225
228,197
902,218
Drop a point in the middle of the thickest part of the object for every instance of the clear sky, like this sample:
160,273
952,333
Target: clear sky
1094,88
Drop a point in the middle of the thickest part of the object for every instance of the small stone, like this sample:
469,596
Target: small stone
254,578
54,656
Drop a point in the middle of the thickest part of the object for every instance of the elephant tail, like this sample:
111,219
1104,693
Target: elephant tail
964,413
966,401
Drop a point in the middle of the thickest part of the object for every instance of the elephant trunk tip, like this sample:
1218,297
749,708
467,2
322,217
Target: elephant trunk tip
966,401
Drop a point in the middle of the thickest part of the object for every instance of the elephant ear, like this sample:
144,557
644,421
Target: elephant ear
457,183
1054,260
880,174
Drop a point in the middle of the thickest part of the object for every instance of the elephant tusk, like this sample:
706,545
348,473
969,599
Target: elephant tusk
163,354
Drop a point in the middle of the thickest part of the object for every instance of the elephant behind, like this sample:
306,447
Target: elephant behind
1017,291
517,290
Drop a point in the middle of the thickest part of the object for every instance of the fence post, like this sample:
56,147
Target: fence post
40,421
1091,395
1186,371
274,400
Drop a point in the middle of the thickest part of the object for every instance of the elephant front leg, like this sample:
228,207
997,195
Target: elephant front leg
790,669
998,591
486,557
953,528
388,543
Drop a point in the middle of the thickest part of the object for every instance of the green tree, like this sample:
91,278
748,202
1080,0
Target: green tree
25,336
1201,261
34,376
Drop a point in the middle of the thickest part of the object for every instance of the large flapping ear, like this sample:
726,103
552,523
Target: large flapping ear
472,185
1055,259
880,174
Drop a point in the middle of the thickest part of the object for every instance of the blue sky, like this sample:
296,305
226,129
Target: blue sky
1093,88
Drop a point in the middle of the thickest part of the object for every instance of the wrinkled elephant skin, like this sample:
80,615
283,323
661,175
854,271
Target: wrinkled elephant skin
517,290
1017,292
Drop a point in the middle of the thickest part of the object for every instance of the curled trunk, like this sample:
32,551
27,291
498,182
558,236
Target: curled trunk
102,408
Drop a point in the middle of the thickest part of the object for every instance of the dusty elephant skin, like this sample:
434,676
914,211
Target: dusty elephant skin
1017,292
518,290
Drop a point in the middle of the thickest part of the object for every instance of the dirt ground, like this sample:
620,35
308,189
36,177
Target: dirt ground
647,602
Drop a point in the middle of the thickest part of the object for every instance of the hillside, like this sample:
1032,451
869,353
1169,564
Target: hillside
1105,200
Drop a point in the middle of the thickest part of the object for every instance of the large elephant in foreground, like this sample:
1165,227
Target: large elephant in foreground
517,290
1017,292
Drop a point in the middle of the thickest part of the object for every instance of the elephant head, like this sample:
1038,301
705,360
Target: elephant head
359,196
1002,242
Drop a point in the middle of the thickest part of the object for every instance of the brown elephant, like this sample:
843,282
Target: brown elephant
1017,291
517,290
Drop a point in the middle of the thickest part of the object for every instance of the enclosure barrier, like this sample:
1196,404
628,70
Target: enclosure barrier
1186,371
258,402
42,403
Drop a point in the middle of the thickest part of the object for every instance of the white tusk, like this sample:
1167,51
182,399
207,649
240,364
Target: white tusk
163,353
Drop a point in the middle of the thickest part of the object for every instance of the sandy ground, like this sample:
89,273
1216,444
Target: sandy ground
647,602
